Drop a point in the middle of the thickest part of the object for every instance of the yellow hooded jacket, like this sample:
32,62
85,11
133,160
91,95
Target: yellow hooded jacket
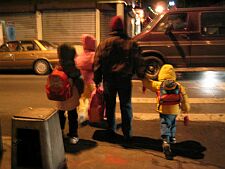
167,72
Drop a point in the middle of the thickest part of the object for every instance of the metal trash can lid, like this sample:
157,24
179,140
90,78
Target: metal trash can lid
35,113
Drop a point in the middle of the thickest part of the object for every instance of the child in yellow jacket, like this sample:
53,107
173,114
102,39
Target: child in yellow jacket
168,112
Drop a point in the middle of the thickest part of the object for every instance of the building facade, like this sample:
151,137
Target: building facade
64,21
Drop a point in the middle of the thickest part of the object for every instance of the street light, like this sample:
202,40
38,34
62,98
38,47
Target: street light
159,9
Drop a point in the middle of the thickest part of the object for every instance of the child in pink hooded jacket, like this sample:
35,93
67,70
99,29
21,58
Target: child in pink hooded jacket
85,63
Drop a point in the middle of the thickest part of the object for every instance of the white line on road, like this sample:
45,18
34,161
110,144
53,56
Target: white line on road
136,100
200,117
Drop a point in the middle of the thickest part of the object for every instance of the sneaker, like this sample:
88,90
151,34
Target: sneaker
74,140
173,140
167,151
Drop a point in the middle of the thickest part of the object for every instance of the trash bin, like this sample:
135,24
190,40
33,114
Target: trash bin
37,140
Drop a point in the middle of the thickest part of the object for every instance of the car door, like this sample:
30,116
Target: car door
6,57
208,46
27,55
172,38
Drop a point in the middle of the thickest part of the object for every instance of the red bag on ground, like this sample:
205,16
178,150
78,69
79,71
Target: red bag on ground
97,106
58,86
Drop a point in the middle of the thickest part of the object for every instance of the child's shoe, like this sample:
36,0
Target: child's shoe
167,151
73,140
173,140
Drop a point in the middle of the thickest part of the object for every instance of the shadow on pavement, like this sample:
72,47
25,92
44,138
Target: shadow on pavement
82,145
190,149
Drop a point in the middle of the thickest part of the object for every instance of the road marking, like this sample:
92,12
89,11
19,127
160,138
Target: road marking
137,100
200,117
199,69
196,84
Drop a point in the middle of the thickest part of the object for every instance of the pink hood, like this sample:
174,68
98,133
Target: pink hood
88,42
85,60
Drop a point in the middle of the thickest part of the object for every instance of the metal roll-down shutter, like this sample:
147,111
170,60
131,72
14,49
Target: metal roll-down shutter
68,25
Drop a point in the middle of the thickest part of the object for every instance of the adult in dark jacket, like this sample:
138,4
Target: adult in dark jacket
116,61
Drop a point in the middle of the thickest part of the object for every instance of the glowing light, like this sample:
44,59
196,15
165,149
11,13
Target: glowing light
159,9
209,80
171,3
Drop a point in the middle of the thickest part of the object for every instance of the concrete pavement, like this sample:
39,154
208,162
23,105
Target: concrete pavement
200,146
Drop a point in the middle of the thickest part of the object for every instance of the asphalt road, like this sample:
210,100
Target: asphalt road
207,97
205,90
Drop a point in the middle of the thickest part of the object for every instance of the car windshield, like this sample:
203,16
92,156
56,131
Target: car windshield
48,45
153,22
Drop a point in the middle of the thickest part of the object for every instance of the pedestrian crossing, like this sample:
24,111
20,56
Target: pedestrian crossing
195,117
195,84
139,100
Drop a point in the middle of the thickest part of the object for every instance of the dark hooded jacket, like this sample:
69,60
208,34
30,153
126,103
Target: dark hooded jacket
117,56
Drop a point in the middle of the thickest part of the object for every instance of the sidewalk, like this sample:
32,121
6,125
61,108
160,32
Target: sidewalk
200,146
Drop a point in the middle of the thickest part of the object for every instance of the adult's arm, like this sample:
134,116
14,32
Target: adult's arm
98,65
139,62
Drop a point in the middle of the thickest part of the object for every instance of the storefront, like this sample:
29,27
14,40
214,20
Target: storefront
67,25
24,24
59,22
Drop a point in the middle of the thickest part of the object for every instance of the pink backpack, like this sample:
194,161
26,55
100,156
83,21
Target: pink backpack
96,109
58,87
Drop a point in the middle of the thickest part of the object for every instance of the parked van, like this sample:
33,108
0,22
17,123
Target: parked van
185,37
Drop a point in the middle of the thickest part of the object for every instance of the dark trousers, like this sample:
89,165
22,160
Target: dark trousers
123,87
72,120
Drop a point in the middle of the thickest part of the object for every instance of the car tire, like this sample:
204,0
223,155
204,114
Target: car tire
153,66
41,67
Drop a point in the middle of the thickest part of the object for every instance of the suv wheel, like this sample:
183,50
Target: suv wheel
41,67
153,66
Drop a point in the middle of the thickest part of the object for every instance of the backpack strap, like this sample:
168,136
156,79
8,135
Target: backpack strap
181,97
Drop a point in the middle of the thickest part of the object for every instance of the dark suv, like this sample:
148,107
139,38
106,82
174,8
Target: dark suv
185,37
